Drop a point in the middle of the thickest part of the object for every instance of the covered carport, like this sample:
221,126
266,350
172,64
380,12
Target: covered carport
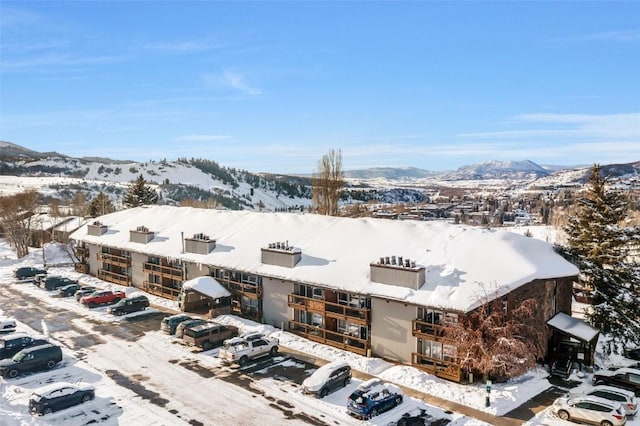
205,295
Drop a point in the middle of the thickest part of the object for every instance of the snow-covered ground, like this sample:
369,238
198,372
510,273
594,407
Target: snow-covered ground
116,404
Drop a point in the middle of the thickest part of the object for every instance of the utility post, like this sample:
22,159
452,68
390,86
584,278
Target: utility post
487,401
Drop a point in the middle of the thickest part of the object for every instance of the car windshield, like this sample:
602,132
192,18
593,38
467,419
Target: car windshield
18,357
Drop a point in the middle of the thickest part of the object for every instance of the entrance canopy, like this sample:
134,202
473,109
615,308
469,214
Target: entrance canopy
207,286
574,327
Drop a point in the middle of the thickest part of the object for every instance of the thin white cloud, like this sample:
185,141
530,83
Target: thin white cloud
238,81
188,46
624,36
57,61
233,80
589,126
201,138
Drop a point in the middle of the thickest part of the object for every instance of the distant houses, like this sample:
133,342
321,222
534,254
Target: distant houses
373,287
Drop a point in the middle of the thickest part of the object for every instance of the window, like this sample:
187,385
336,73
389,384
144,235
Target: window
449,352
318,293
317,320
431,349
634,378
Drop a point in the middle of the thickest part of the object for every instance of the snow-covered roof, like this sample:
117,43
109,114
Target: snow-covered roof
207,286
573,326
462,264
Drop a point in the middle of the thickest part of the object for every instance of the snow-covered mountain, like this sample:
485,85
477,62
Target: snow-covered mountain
499,170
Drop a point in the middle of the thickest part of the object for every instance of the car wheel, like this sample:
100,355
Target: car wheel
92,305
274,351
119,313
47,410
346,382
207,345
398,400
243,361
323,392
86,398
563,415
374,413
50,364
13,373
606,423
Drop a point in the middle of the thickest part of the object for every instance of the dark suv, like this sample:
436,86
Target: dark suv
328,378
170,323
372,398
58,396
28,272
625,378
128,305
14,343
36,358
53,283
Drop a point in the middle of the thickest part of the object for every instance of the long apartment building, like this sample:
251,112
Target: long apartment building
375,287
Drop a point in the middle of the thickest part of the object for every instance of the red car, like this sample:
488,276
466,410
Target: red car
102,297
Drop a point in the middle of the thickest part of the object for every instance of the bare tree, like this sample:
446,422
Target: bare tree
327,183
17,219
496,343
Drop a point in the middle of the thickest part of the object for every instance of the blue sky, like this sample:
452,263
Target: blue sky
272,86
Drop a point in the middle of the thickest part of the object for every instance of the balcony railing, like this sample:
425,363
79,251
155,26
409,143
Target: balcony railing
112,259
164,271
438,367
332,338
423,328
114,277
162,291
83,268
246,311
252,291
331,309
81,251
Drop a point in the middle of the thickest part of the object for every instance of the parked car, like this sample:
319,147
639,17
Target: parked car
633,354
36,358
7,325
13,343
625,378
372,398
102,297
180,329
57,396
248,336
209,335
328,378
170,323
55,282
84,291
129,305
626,398
247,350
28,272
68,290
590,409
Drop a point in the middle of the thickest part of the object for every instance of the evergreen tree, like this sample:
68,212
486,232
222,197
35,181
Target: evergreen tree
600,245
100,205
139,194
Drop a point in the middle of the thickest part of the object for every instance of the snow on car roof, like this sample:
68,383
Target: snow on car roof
45,390
321,375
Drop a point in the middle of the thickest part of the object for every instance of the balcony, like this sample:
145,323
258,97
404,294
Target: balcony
438,367
113,277
422,328
331,338
331,309
252,291
161,290
171,272
112,259
249,312
81,252
83,268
